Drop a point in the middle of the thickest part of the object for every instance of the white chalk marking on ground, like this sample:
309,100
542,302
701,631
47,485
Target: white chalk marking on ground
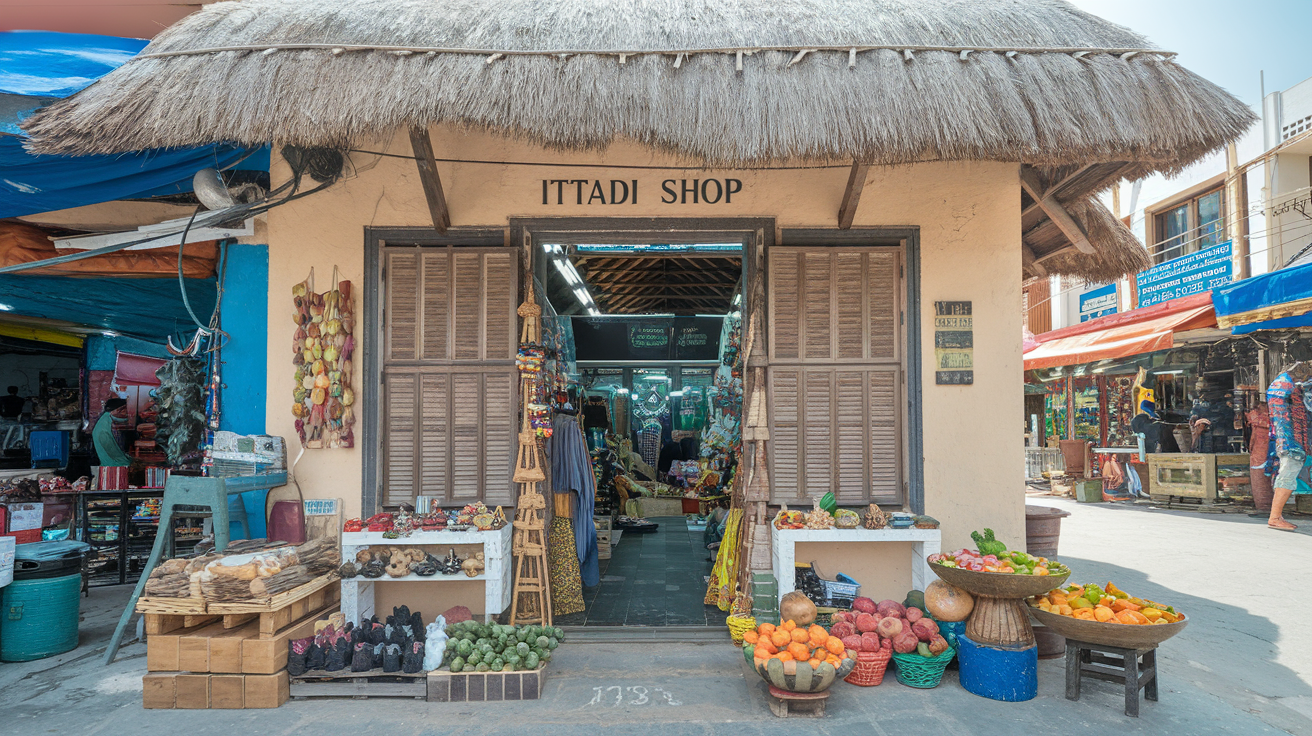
640,695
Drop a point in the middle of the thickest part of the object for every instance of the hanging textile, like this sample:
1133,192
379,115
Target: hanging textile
571,470
723,583
566,583
649,442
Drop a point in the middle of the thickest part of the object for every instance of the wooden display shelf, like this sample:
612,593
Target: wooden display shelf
370,684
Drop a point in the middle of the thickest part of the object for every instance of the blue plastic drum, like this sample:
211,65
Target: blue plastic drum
998,674
38,618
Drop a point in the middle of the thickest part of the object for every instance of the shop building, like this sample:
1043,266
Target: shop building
886,193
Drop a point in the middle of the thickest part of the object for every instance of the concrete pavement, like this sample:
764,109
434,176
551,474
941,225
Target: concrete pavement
1242,666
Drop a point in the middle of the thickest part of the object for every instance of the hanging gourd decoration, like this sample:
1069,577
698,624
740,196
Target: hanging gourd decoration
322,348
796,607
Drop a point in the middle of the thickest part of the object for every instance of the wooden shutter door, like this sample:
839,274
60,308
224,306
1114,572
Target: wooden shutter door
448,374
835,377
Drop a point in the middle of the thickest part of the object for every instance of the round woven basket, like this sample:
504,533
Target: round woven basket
870,668
914,670
999,584
1129,636
738,625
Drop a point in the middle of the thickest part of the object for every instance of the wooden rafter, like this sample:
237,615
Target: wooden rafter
856,181
1029,181
423,149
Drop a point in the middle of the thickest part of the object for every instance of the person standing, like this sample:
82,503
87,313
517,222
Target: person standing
1287,401
11,405
102,435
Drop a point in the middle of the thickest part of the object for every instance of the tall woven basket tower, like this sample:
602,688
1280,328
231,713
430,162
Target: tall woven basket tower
531,601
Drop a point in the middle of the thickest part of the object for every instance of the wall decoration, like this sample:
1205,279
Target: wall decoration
954,343
322,353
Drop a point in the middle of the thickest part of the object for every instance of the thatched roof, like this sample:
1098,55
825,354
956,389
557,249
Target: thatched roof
883,81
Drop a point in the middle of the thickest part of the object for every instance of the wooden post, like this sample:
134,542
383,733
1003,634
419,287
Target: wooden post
1236,220
423,148
1030,262
1029,181
856,181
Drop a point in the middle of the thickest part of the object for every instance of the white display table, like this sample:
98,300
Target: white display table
358,592
925,542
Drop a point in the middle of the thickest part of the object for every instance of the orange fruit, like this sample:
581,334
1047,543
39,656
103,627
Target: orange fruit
788,625
799,651
818,634
766,646
751,637
835,661
781,638
765,629
834,646
783,657
816,663
761,653
800,635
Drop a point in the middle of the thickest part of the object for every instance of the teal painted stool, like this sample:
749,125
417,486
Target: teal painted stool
181,490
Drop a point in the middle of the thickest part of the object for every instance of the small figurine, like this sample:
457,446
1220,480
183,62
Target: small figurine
474,565
498,518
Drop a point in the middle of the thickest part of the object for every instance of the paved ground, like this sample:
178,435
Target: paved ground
1244,665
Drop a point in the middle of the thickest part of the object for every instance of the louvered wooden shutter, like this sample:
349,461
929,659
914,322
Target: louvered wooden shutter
448,374
835,374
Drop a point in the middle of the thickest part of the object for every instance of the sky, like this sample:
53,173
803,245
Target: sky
1227,41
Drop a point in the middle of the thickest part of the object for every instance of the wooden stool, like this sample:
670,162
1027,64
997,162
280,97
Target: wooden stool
784,703
1136,668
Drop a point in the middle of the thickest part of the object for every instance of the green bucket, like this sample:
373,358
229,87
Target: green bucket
38,618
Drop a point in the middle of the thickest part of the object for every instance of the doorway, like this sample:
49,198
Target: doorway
653,332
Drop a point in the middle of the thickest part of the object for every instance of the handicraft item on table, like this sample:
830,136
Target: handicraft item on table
323,348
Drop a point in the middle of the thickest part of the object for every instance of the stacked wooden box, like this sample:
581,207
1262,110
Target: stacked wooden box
230,659
604,532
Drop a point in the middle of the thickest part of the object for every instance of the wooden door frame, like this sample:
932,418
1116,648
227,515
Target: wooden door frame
372,333
908,238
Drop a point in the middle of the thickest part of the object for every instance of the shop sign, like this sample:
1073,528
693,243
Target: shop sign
626,191
1191,274
954,343
1098,302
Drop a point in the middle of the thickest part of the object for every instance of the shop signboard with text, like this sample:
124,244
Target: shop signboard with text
1098,302
1191,274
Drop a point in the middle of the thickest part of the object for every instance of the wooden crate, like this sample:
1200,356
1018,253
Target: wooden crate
184,690
213,649
171,606
445,686
164,623
371,684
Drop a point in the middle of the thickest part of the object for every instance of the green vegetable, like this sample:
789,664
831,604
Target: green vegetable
828,503
464,648
522,649
457,664
498,664
542,642
475,658
531,661
923,650
483,667
987,544
552,643
1093,593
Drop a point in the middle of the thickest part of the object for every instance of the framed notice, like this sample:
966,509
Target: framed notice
954,344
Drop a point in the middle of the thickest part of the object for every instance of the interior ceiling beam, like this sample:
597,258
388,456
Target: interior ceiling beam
1055,189
423,149
856,181
1053,254
1029,181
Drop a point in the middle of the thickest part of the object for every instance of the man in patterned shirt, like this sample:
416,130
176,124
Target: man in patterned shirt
1288,399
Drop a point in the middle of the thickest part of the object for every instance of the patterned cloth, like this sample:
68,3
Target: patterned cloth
722,586
566,585
571,470
1289,421
649,442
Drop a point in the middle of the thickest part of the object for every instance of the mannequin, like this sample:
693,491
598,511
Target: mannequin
1287,400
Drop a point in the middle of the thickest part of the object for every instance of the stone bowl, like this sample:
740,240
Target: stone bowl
1128,636
800,677
998,584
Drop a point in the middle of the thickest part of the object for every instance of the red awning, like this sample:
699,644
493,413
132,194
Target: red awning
136,370
1122,335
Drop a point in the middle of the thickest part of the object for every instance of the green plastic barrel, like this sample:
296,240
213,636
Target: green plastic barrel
38,618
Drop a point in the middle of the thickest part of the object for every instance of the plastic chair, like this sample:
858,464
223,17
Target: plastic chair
47,446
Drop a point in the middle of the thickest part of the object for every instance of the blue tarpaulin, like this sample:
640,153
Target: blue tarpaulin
39,67
150,309
1275,300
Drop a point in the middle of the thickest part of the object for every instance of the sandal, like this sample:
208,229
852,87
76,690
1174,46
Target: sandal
1286,528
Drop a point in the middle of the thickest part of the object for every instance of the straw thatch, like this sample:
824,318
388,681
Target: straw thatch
1117,251
1045,83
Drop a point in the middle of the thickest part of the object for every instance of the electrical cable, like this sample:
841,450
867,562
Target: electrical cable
182,285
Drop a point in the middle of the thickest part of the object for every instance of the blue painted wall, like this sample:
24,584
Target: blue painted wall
245,317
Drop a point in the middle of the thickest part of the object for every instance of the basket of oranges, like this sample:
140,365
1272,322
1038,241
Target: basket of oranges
799,659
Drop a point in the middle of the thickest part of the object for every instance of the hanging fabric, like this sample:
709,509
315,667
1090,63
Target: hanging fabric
571,470
563,563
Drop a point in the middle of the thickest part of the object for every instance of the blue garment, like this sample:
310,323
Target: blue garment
571,470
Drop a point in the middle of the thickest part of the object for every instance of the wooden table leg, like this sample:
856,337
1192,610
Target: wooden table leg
1150,666
1132,684
1073,655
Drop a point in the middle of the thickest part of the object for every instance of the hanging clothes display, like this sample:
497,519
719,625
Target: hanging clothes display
1258,444
571,470
566,580
649,442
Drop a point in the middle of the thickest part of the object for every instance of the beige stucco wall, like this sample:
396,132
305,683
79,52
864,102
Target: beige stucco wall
968,215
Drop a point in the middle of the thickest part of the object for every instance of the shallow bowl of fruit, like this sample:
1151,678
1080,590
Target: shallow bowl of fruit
1007,575
783,665
1115,621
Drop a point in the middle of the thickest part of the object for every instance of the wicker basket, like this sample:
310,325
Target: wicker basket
739,624
870,668
914,670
